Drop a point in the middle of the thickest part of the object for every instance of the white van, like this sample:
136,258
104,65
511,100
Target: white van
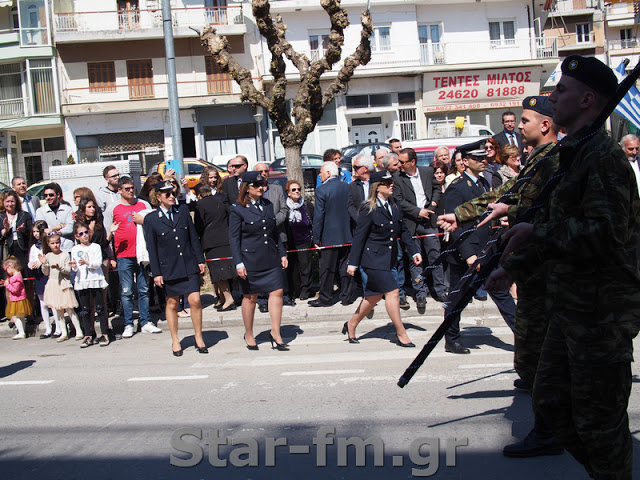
425,149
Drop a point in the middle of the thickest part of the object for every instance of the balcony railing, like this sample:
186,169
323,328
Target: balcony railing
146,19
11,108
432,54
546,47
620,44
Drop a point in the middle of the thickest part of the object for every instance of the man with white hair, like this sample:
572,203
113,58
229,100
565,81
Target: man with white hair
359,187
331,227
631,144
390,162
443,154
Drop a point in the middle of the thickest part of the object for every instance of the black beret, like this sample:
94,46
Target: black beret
380,176
475,149
253,177
592,72
539,104
164,186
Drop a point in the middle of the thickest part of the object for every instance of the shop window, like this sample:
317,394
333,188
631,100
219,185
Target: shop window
53,143
140,76
102,77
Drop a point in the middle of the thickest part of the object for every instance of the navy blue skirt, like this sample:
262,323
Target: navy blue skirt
262,282
379,281
182,286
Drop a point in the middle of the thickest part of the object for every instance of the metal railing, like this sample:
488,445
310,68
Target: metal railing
145,19
11,108
628,43
432,54
546,47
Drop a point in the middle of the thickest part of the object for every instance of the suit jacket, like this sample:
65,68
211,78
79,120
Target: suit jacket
502,140
18,248
356,197
375,243
212,222
405,197
174,248
275,195
254,238
331,218
30,201
461,190
230,191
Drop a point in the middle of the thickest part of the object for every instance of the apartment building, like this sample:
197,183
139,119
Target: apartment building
622,30
31,127
431,60
114,81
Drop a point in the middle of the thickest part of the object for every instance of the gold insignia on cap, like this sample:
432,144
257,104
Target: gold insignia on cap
573,64
533,102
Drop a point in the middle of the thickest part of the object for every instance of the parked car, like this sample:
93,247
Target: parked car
194,167
350,152
37,190
426,148
309,160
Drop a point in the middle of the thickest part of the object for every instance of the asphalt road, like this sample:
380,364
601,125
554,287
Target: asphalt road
120,411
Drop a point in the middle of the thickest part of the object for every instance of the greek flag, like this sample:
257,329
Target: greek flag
629,106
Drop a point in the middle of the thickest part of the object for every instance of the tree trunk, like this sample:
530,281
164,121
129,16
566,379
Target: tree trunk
293,157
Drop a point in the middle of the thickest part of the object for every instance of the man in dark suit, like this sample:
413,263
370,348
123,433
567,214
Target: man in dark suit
231,185
417,193
29,204
509,135
331,227
359,188
469,185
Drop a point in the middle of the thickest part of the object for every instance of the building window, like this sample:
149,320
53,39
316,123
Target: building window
318,44
42,89
583,33
431,51
381,39
11,102
140,75
627,39
128,14
217,80
34,30
15,22
502,33
102,77
368,101
52,144
408,125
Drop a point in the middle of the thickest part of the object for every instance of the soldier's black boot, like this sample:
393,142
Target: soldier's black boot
539,442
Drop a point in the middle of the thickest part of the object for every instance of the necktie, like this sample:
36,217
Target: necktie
27,199
239,182
511,140
388,207
170,216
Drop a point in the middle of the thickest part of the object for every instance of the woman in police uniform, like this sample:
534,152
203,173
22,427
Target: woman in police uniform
176,260
259,255
374,250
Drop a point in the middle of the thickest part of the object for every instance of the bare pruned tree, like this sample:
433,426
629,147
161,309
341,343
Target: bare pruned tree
310,100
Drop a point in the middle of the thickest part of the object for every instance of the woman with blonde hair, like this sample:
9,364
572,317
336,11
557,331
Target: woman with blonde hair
375,250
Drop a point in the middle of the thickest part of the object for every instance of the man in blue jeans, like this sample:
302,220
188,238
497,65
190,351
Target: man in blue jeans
124,217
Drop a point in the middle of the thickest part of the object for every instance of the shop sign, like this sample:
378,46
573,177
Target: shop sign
479,89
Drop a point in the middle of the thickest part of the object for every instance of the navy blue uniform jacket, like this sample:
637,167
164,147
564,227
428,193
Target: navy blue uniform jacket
254,238
174,248
375,243
461,190
331,219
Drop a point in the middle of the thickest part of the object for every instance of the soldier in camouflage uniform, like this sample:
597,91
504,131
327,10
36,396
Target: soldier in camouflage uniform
538,131
586,235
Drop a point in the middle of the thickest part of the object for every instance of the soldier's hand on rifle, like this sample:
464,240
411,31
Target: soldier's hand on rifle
471,260
518,236
448,222
496,210
499,279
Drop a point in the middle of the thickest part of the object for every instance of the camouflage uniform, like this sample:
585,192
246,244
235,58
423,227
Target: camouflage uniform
587,235
531,320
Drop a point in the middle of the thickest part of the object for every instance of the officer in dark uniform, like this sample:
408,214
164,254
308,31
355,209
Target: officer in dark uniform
176,260
259,254
468,186
375,250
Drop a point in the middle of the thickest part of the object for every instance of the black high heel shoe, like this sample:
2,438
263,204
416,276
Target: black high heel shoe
250,347
202,349
283,347
345,331
178,353
407,345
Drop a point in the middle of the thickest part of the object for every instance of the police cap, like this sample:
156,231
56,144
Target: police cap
164,186
473,150
539,104
380,176
592,72
253,177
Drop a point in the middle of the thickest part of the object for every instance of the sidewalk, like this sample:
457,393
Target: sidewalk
480,313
